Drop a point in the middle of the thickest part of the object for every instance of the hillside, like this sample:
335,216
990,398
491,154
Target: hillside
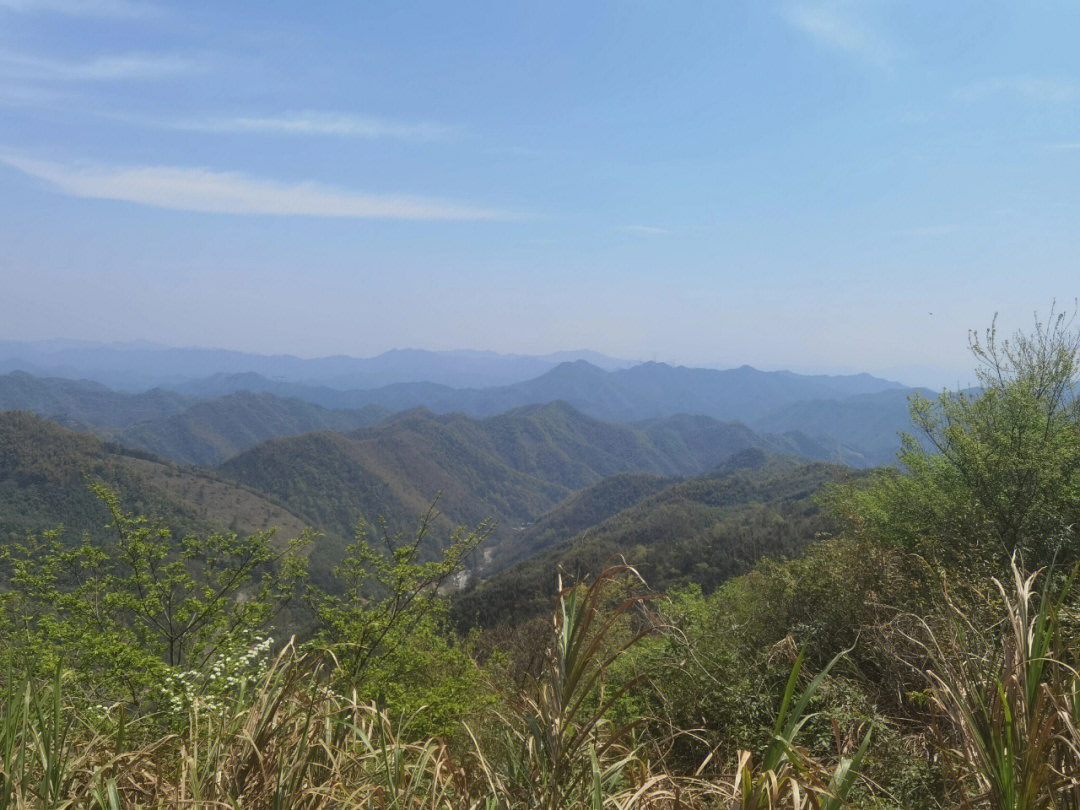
84,404
587,507
701,530
869,422
209,432
45,471
511,468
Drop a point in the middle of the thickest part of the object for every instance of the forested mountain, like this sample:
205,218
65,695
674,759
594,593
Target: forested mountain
703,530
214,430
869,422
856,417
646,391
512,467
84,404
46,470
587,507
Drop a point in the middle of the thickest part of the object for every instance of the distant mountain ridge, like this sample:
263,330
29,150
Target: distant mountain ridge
85,404
139,366
857,416
172,425
645,391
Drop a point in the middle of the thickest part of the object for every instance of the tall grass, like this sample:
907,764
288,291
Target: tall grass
290,741
787,775
1008,704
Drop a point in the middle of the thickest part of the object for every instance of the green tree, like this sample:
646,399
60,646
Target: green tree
125,611
998,469
386,622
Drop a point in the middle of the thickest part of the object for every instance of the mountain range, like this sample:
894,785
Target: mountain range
209,420
697,471
632,394
140,365
511,468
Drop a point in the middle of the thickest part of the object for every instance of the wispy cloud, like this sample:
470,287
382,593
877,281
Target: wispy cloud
834,25
930,230
312,123
645,229
195,189
124,67
22,94
82,8
1034,88
1062,147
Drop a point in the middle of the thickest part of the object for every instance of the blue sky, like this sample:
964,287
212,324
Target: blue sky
819,185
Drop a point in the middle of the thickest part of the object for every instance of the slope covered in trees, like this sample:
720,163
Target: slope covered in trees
511,468
46,472
83,404
214,430
702,530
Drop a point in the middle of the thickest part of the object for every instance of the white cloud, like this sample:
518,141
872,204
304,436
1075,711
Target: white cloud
82,8
833,25
194,189
313,123
133,66
645,229
1031,87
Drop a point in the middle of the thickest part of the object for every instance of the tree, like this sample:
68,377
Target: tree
125,611
387,597
998,470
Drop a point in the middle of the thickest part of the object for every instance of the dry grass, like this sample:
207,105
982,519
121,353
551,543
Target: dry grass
291,741
1008,703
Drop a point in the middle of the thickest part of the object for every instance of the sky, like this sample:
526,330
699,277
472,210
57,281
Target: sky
806,185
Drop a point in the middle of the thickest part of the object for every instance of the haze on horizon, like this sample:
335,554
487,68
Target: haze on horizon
806,185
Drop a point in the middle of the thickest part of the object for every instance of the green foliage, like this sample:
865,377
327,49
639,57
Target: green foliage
38,750
1002,474
785,771
384,624
125,612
